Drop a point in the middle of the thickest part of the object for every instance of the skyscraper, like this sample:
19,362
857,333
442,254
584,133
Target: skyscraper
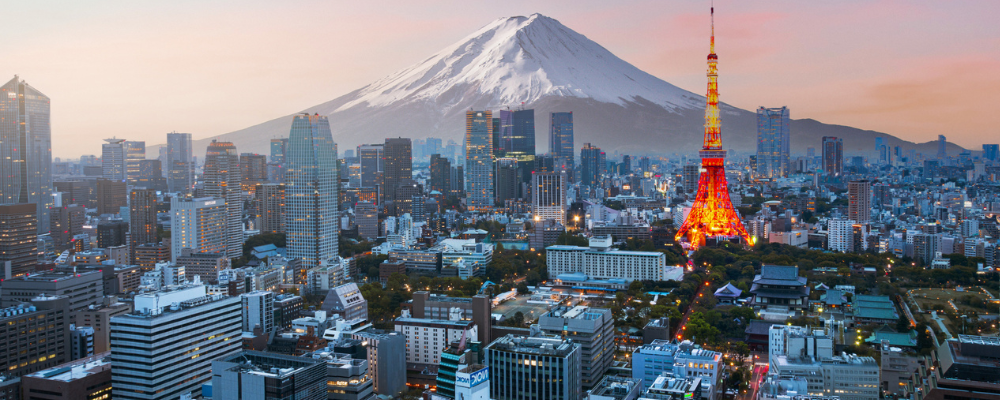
26,149
111,196
398,166
440,174
113,160
548,196
18,239
592,165
479,160
278,150
506,178
859,207
197,224
517,133
135,153
833,155
942,147
372,164
179,165
142,218
772,142
253,170
561,136
222,181
311,191
991,152
270,200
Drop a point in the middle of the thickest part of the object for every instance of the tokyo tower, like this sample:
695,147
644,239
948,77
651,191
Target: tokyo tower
712,214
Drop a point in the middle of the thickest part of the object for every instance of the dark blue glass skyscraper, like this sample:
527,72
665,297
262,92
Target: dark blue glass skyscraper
772,142
561,136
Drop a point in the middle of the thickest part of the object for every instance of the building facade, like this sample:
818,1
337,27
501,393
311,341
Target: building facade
525,368
311,191
223,181
561,136
26,149
198,224
773,140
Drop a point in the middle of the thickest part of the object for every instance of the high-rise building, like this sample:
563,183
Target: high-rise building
548,196
772,142
165,324
269,376
440,174
135,153
517,134
253,170
859,207
270,201
142,218
366,217
222,181
65,222
18,239
689,177
75,192
372,164
506,178
26,146
534,367
386,352
179,163
479,160
150,175
83,289
592,165
47,318
311,191
991,152
112,233
398,166
199,225
833,155
593,329
85,378
942,151
561,136
279,147
258,310
113,160
111,196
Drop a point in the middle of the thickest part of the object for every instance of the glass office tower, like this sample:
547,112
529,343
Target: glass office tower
311,191
26,148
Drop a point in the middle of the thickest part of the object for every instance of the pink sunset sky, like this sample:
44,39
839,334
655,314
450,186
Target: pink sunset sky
137,70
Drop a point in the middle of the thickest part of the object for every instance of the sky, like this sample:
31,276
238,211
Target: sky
137,70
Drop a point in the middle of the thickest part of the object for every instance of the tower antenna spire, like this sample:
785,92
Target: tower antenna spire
713,28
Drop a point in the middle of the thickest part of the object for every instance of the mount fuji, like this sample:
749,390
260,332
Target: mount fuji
537,62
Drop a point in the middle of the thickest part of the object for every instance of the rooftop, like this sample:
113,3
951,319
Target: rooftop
77,369
615,386
538,345
268,364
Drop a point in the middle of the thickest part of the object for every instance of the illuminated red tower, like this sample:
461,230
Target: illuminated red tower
712,214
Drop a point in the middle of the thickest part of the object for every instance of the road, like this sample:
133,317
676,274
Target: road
702,289
756,377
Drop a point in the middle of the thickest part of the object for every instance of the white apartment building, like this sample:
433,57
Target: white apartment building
258,309
426,338
601,261
840,235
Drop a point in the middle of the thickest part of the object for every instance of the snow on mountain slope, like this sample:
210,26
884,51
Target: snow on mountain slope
521,59
540,63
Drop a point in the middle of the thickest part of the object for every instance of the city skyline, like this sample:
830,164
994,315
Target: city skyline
904,85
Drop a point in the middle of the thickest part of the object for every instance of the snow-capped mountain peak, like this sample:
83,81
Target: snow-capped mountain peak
520,59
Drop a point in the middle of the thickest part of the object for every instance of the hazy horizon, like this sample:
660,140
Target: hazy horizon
140,70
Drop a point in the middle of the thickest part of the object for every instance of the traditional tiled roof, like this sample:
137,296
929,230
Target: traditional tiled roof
728,291
758,327
833,297
780,275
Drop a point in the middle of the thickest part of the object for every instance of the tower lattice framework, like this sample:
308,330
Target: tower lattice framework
712,214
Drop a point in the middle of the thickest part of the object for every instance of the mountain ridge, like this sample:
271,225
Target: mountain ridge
549,67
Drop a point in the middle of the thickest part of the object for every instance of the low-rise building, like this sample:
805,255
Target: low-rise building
592,329
85,378
602,261
684,359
